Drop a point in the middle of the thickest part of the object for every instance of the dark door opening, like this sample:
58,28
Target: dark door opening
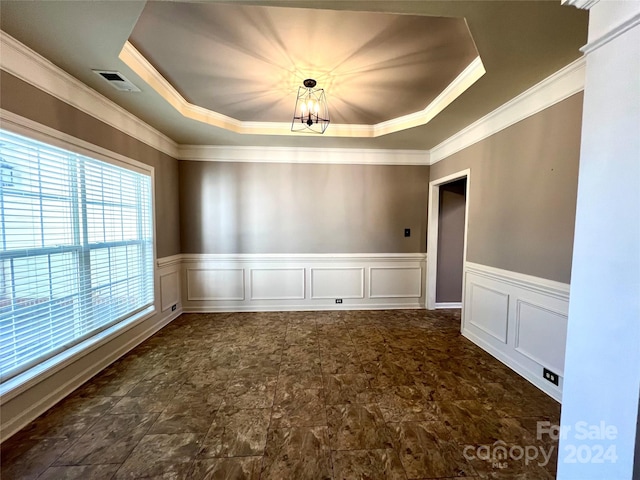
451,225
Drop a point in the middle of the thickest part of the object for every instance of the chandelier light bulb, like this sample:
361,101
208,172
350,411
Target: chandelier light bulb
311,104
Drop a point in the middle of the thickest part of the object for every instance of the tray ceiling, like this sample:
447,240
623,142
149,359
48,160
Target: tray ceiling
242,59
247,62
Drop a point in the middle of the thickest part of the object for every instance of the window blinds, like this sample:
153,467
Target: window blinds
77,249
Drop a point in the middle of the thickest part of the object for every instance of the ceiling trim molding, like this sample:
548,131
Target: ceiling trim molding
612,34
29,66
339,156
553,89
581,4
19,60
154,79
471,74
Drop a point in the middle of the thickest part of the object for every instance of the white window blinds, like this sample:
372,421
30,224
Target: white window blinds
77,249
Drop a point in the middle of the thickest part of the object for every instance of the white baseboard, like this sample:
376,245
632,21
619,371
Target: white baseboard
519,319
293,308
523,370
443,305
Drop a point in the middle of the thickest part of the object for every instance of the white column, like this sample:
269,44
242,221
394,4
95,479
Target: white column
602,363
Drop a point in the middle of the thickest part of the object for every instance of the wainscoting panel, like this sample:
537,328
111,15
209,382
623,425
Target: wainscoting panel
331,283
169,289
257,282
168,280
489,311
215,284
277,284
395,282
519,319
541,335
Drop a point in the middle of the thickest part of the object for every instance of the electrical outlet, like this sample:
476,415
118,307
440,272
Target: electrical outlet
173,308
407,232
549,375
338,300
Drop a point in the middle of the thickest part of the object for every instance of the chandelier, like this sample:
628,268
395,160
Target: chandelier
311,113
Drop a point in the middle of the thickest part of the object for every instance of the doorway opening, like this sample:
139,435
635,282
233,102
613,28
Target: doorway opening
447,240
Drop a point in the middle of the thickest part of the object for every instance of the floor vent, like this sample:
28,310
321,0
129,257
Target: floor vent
117,80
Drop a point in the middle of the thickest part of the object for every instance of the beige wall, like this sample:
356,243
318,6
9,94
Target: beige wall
302,208
522,210
522,193
23,99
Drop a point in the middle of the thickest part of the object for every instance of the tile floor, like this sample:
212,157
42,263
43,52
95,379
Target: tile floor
297,395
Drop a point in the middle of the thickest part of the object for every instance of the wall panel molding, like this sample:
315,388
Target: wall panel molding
541,335
169,289
522,321
489,310
329,283
280,282
212,283
395,282
277,283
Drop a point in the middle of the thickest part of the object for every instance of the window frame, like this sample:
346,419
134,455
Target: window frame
32,130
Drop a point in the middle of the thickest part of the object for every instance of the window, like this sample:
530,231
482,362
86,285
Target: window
77,249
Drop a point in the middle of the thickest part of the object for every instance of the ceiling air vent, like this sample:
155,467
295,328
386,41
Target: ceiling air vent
117,80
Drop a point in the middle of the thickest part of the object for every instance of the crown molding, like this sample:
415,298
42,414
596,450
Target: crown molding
150,75
34,69
553,89
581,4
471,74
338,156
612,34
22,62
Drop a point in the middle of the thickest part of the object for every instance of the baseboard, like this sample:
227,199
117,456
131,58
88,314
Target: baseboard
547,387
443,305
14,424
304,308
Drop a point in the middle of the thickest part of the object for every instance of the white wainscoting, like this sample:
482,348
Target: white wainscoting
24,398
214,284
277,284
255,282
169,289
520,319
329,283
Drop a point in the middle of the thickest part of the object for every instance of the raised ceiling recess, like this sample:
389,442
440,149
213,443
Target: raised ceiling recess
239,67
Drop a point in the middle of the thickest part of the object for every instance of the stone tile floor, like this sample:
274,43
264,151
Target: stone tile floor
296,395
